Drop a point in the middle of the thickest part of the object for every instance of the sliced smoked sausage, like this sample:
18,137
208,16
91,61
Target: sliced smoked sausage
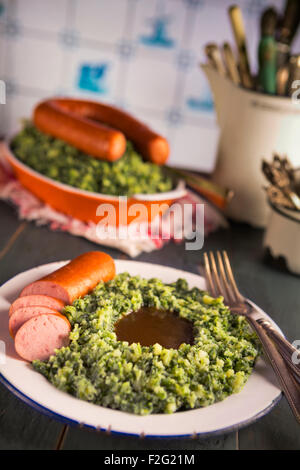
23,314
36,300
40,336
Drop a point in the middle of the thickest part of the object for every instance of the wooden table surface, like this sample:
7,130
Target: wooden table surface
24,245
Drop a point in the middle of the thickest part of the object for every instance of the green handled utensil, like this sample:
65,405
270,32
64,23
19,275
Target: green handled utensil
267,52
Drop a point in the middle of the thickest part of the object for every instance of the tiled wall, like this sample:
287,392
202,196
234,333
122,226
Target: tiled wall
140,54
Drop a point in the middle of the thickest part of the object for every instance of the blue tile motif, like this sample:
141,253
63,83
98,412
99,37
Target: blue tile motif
92,77
159,36
204,103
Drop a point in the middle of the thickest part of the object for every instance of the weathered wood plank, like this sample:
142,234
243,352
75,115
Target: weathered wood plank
8,223
276,431
276,292
38,245
85,439
23,428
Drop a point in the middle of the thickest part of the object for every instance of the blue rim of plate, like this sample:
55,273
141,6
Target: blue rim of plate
71,422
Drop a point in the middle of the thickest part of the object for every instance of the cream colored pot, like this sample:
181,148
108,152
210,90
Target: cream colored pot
253,127
282,236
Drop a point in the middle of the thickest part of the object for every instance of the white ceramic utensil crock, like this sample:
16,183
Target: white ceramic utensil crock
253,126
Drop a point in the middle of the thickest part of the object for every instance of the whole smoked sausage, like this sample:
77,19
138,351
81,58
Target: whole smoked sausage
99,129
76,278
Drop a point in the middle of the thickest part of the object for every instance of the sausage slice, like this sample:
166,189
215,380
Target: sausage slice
23,314
39,337
36,300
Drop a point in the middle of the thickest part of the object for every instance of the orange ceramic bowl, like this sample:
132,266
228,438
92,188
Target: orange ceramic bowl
88,206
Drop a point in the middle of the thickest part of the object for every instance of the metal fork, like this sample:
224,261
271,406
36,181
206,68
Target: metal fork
221,281
286,349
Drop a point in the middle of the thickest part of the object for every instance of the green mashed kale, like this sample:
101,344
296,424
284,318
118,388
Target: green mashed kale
64,163
98,368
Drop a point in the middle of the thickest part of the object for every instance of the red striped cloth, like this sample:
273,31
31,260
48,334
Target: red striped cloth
144,238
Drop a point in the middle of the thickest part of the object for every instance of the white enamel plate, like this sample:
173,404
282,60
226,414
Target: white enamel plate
258,396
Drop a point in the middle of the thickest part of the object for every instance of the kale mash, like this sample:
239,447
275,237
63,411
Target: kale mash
98,368
64,163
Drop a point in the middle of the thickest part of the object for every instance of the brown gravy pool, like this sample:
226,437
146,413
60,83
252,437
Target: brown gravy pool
149,325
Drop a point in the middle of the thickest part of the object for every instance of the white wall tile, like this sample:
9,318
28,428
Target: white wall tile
151,83
3,42
36,64
45,15
195,147
2,54
101,20
196,98
20,107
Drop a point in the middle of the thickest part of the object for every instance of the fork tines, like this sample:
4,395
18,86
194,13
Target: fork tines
220,277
